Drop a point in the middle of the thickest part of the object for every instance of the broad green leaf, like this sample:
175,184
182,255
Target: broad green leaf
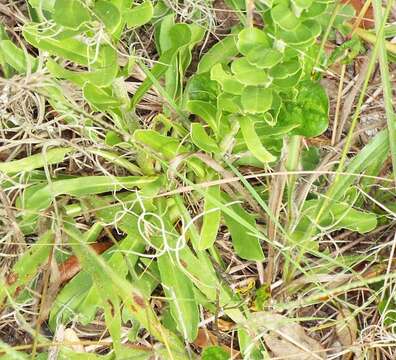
288,82
201,87
230,103
264,58
69,298
285,69
51,156
340,215
250,38
211,218
113,138
221,52
180,35
101,75
246,245
311,108
247,73
167,146
284,17
6,68
256,100
180,295
139,15
27,266
80,186
252,140
40,199
47,5
101,98
315,10
109,14
205,111
163,38
229,83
17,58
303,35
310,158
71,13
69,48
215,353
201,139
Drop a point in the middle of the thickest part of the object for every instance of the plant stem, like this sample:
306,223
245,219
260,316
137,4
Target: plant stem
293,156
386,82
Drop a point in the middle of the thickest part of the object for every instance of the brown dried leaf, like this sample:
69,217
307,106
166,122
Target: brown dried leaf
285,338
205,338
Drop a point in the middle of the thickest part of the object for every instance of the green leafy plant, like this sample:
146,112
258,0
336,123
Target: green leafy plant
170,179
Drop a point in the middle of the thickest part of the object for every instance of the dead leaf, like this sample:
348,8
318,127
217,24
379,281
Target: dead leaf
225,325
346,329
368,18
285,338
205,338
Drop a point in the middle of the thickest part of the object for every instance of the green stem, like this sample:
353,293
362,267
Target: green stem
385,78
293,156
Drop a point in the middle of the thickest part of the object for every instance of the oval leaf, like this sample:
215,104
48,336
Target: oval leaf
250,38
256,100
